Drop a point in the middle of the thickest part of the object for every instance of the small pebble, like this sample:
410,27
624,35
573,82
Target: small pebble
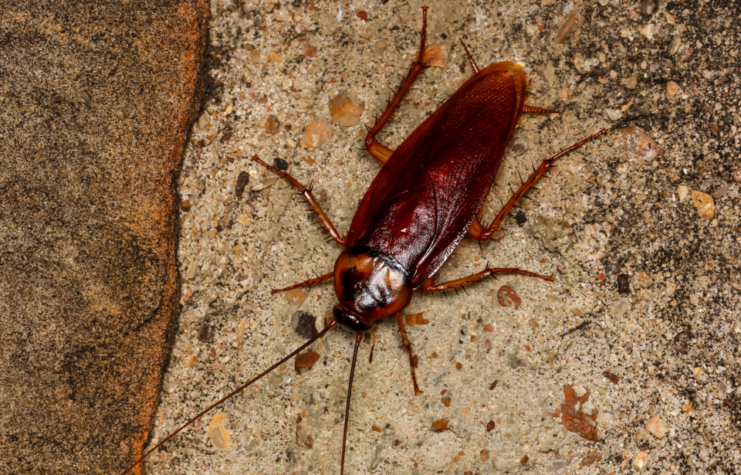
675,45
206,333
656,427
217,433
490,426
242,180
631,82
280,164
521,218
648,7
571,23
316,134
344,112
648,31
681,342
672,90
185,205
620,307
309,50
639,461
363,15
704,204
623,281
638,145
613,114
737,175
272,125
683,191
275,57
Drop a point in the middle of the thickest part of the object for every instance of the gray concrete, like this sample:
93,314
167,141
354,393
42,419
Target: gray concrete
605,212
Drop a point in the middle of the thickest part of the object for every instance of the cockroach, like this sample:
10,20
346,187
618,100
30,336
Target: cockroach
425,199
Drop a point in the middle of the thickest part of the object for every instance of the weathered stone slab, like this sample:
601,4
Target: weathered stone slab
95,105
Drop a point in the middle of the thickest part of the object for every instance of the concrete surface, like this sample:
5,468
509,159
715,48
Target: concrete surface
96,102
669,344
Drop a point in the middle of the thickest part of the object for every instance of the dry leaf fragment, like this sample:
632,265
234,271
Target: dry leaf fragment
436,55
575,420
306,361
508,297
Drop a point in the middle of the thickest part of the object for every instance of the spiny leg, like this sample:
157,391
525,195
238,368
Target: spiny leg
309,197
380,152
358,339
474,66
307,283
408,345
478,232
429,286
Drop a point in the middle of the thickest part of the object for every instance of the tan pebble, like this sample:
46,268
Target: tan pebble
688,108
656,427
563,94
275,57
736,178
638,145
240,330
244,220
648,31
190,361
683,191
255,57
548,2
272,125
309,50
631,82
484,454
672,90
436,55
571,24
344,112
316,134
704,204
217,433
639,461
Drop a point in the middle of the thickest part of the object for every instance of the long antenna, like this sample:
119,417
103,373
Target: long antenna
358,339
239,390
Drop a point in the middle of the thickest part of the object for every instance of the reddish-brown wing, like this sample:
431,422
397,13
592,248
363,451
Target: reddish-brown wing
426,196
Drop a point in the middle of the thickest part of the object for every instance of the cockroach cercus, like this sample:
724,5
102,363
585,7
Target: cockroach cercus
425,199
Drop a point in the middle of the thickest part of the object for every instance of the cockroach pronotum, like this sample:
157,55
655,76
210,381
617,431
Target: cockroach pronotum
425,199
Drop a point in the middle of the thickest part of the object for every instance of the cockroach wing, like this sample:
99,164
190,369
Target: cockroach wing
428,193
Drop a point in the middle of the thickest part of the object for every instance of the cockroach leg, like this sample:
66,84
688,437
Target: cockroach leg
378,151
474,66
308,283
310,198
429,286
373,345
358,339
408,346
477,232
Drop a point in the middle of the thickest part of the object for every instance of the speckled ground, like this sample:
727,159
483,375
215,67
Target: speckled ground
670,339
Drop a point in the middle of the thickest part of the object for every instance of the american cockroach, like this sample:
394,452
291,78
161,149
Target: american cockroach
425,199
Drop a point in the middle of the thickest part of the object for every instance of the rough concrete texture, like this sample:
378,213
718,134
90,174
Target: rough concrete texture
666,346
96,102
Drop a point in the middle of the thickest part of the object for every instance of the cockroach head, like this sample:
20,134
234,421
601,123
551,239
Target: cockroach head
370,285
